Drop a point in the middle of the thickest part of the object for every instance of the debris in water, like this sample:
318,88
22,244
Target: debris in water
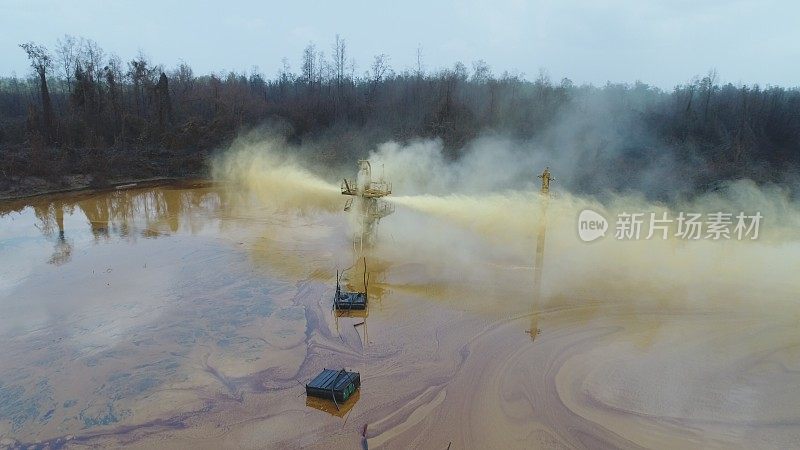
364,443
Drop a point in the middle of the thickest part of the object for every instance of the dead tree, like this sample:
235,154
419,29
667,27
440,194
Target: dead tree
41,62
163,103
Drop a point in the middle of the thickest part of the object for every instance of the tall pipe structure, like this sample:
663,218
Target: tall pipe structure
544,200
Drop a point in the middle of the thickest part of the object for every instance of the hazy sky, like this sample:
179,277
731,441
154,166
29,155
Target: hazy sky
658,42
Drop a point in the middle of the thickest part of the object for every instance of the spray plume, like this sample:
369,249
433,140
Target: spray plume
483,212
265,169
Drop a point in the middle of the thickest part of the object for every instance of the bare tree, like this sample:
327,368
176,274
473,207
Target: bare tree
420,68
309,63
323,68
163,102
140,74
113,76
67,55
352,67
184,80
41,62
380,68
707,87
339,60
92,57
481,73
285,75
460,71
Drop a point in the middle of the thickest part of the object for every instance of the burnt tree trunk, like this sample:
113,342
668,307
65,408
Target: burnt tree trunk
47,106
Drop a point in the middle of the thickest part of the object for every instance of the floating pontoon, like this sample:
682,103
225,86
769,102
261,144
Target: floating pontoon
336,385
345,300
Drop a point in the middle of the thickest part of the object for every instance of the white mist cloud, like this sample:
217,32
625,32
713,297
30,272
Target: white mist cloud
474,222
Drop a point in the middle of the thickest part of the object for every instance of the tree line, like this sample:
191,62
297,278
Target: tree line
84,111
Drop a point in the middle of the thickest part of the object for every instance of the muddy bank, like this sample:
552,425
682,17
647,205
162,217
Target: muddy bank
30,186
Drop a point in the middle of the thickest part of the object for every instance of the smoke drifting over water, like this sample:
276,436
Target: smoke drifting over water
458,218
268,170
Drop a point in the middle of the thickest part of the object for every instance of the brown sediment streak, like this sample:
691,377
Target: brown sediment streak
147,428
418,409
229,384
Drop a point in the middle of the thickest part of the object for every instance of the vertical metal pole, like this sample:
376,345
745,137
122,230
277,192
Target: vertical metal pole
538,266
544,200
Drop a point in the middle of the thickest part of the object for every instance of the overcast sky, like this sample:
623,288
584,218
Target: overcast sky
663,43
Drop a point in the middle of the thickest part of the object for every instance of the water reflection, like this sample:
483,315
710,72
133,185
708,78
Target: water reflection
110,301
366,274
62,251
331,408
145,212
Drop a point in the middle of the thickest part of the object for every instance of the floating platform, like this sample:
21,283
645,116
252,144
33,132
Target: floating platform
372,189
350,300
344,300
336,385
363,186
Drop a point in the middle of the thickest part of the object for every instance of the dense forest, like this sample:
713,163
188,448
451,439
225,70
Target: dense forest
81,111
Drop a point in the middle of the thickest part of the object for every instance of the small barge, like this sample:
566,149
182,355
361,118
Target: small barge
345,300
336,385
